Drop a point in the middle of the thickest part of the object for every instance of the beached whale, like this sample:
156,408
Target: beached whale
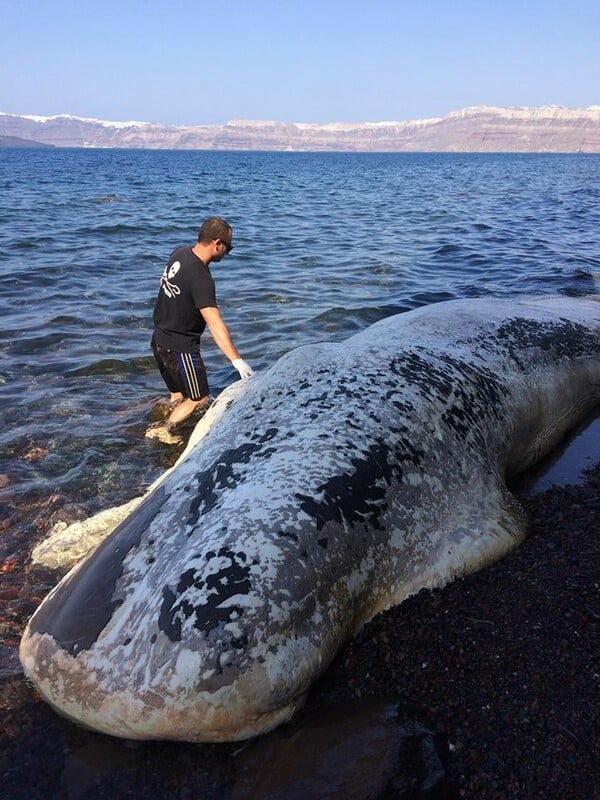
332,486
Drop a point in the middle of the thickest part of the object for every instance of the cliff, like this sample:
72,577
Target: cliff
547,129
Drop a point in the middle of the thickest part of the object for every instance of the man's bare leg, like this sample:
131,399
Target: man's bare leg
184,409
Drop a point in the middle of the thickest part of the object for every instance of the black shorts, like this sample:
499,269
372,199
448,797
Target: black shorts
182,372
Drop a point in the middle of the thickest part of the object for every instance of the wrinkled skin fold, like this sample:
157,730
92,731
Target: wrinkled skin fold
332,486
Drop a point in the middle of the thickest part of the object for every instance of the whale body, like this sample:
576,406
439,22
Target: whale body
334,485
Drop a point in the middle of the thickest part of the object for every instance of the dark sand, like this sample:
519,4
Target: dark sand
505,663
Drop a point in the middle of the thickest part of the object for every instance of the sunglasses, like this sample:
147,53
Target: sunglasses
228,245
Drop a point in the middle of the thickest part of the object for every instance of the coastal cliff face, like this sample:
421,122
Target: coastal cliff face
548,129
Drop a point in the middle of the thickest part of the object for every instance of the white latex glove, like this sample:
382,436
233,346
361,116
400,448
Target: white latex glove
244,369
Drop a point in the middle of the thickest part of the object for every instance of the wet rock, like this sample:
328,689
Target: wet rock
35,453
10,666
90,765
159,410
354,750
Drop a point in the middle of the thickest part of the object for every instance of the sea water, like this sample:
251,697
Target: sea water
324,245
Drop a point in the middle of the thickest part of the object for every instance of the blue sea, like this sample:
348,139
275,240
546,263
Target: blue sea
324,245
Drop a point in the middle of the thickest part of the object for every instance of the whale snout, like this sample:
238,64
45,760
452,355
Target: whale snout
201,696
202,656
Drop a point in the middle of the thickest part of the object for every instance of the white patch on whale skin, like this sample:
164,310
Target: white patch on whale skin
187,668
342,480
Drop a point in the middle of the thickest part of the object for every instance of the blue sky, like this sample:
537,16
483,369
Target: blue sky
201,61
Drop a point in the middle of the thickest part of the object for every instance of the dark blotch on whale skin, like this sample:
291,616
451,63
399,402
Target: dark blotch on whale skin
83,604
323,401
358,496
215,589
559,340
222,475
470,392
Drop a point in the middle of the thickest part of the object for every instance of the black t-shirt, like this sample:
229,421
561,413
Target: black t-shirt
186,285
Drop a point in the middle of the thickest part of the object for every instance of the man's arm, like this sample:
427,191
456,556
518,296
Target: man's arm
220,333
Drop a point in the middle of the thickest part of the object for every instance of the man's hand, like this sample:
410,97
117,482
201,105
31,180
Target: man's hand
244,369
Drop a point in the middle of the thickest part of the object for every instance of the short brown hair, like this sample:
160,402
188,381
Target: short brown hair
214,228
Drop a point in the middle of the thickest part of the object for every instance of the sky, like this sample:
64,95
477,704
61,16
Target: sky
194,62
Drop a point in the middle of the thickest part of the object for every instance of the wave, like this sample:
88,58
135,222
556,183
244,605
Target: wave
115,366
346,321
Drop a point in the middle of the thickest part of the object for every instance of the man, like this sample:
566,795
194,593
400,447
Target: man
185,305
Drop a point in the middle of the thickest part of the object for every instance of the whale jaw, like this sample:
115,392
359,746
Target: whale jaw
78,695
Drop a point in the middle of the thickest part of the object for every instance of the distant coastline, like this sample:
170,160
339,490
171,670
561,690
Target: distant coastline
481,129
17,141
